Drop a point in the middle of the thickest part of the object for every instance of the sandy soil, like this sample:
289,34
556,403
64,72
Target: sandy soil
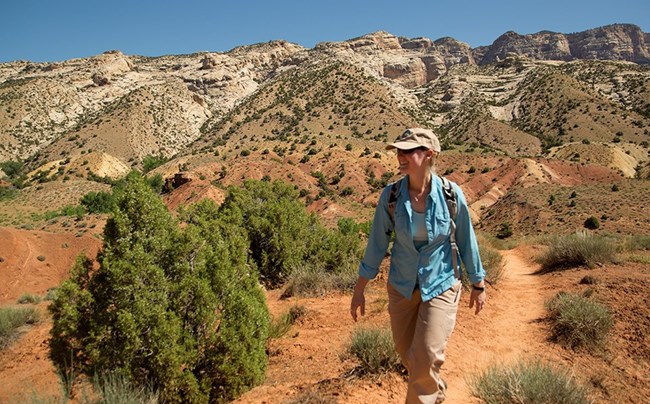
34,261
309,361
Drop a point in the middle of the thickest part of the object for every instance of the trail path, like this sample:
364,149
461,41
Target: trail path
508,329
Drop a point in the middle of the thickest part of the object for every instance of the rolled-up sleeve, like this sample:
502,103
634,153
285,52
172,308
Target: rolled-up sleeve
466,240
380,235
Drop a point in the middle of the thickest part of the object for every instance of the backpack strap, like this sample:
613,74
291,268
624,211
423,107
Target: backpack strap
392,200
452,206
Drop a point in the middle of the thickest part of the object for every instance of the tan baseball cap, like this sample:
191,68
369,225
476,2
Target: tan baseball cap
416,137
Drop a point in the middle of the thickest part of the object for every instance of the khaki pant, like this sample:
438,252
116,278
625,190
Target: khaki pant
421,331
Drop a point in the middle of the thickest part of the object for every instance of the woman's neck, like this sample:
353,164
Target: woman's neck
420,183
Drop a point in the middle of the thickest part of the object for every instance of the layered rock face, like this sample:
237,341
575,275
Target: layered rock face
408,62
542,46
613,42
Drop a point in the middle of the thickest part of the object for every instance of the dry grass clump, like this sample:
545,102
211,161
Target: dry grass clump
375,350
12,318
636,243
318,282
527,382
579,249
28,298
115,388
578,321
281,325
311,396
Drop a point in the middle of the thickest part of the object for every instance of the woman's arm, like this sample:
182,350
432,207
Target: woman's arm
469,253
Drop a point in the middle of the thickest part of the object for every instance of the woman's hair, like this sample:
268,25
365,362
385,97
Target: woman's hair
432,163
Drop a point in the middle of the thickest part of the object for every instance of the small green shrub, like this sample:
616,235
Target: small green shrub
97,202
529,383
11,318
578,321
29,298
51,294
551,200
592,223
577,250
375,350
588,280
505,230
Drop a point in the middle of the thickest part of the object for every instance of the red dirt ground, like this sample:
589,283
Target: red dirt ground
310,361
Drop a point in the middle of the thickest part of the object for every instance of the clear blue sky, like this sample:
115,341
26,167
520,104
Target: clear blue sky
54,30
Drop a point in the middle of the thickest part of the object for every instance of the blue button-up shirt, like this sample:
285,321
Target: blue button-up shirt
431,267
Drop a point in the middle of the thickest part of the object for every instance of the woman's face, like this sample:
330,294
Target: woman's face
414,161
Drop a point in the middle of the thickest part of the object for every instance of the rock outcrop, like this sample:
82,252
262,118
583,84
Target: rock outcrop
613,42
623,42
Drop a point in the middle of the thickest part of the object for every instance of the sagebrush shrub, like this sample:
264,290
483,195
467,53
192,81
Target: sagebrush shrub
375,350
578,321
580,249
527,382
29,298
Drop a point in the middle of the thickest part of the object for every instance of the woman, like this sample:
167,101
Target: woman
423,285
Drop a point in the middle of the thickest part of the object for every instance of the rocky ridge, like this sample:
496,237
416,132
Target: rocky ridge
504,97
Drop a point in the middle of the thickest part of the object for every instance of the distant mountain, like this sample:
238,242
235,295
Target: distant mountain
319,118
625,42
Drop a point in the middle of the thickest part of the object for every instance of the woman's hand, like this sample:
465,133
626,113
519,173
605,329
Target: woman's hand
478,297
358,302
358,298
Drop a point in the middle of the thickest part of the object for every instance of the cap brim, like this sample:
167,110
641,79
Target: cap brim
403,146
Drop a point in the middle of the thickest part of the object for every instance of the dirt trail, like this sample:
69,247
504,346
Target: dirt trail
508,329
308,358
